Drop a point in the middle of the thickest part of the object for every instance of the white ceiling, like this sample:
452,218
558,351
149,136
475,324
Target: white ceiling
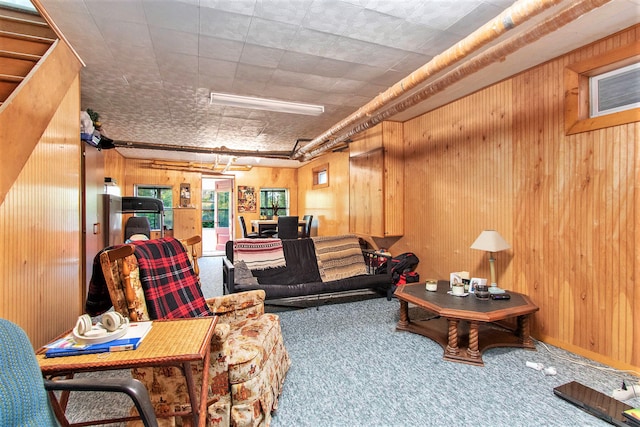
151,64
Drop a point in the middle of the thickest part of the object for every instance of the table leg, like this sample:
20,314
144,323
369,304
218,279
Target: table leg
524,331
204,392
472,350
452,346
191,388
404,314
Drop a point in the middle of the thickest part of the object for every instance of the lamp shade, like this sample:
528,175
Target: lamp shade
490,241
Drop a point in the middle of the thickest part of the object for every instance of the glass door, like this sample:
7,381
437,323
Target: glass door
216,215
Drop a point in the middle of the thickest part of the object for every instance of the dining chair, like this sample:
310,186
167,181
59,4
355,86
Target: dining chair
245,234
287,227
306,231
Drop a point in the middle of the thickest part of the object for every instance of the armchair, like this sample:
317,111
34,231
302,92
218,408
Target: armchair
23,391
248,359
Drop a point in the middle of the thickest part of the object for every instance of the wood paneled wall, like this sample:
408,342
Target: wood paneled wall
40,253
265,178
568,205
329,205
187,222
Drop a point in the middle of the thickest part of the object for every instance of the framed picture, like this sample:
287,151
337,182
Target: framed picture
185,195
474,284
246,198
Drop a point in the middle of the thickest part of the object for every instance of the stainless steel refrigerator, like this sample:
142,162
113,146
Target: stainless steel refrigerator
111,210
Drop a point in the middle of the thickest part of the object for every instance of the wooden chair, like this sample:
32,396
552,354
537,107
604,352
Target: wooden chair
248,358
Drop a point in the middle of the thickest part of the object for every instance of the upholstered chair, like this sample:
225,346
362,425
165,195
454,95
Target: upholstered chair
248,358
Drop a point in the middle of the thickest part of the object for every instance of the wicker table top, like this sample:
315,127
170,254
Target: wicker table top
168,342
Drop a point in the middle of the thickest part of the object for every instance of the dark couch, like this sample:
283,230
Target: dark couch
301,276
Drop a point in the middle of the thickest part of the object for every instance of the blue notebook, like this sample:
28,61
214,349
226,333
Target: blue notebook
67,346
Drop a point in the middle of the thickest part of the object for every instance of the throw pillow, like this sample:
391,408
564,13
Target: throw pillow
243,275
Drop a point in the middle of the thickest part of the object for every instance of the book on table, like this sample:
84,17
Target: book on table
68,346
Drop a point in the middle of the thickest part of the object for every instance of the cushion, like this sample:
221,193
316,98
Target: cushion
339,257
171,287
243,275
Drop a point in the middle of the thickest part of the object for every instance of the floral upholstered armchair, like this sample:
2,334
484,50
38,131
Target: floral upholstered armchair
248,359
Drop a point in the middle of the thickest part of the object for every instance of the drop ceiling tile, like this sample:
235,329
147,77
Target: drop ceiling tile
216,68
347,49
313,42
253,72
167,41
289,11
271,33
172,15
331,16
398,8
442,14
118,33
129,11
261,56
470,22
216,48
243,7
224,25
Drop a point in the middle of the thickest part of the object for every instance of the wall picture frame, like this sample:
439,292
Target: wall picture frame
246,199
185,195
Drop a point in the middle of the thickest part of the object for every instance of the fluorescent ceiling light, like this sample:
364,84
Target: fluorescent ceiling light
265,104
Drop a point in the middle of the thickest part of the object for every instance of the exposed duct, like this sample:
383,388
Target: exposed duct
517,14
490,56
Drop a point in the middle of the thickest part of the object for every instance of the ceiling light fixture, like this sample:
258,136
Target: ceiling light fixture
265,104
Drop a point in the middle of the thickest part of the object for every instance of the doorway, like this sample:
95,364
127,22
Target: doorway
217,224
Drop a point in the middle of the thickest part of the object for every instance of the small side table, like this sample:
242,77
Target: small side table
169,343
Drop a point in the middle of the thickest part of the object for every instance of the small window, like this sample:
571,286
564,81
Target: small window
602,91
321,176
274,201
163,193
617,90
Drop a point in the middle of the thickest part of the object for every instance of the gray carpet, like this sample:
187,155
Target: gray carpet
351,368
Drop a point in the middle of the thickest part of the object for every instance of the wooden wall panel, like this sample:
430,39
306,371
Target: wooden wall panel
568,205
330,205
40,255
130,172
265,178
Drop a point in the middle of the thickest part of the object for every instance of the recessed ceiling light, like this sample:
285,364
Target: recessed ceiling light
265,104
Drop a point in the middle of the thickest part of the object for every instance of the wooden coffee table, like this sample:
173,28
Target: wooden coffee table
466,326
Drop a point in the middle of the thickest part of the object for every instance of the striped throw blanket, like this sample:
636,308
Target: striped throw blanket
259,254
339,257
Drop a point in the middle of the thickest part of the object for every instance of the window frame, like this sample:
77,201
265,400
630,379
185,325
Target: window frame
154,218
576,91
317,173
265,198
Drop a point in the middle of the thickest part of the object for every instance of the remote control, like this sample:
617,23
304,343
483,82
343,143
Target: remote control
500,296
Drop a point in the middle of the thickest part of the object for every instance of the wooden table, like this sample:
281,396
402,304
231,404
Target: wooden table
465,326
269,224
168,343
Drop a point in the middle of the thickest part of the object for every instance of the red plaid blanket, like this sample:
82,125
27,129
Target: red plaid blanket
170,285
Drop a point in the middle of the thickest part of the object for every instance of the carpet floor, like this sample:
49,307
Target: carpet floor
350,367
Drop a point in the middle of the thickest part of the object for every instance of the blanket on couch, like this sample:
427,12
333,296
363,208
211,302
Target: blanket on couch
339,257
259,254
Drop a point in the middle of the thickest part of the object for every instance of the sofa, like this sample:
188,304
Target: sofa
304,267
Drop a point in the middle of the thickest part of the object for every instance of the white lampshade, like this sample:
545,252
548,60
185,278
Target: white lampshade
490,241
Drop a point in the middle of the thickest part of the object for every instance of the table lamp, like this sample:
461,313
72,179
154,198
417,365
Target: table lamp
491,241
